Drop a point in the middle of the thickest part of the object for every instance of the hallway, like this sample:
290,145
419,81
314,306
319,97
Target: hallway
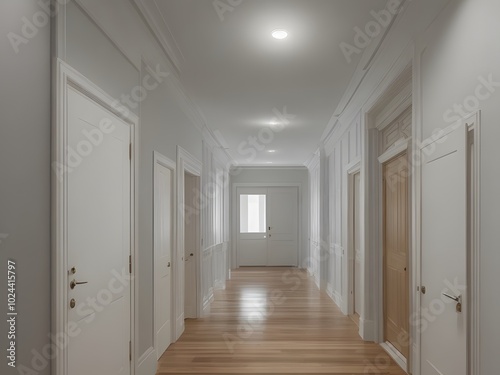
274,321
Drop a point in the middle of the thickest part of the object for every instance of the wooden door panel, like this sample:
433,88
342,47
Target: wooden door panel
396,293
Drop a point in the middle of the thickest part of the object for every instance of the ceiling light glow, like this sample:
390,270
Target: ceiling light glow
280,34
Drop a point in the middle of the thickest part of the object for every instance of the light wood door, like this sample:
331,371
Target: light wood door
444,255
396,280
99,221
164,230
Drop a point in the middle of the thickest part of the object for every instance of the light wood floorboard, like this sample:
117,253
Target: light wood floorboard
274,321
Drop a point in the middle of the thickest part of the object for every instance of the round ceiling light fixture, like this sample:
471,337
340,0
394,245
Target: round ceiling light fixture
279,34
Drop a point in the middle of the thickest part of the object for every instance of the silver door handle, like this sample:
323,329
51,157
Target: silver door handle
74,283
456,299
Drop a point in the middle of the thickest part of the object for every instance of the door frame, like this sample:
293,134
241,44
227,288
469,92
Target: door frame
66,76
186,163
388,104
385,158
473,124
161,160
235,219
351,171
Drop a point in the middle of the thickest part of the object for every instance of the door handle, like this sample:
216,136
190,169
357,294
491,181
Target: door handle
74,283
168,265
456,299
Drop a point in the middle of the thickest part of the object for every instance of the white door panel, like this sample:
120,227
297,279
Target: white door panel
267,226
191,244
357,247
444,255
283,226
164,229
98,238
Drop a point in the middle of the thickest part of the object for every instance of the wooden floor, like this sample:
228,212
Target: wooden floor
274,321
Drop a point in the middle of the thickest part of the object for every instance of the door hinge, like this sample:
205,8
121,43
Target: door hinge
130,264
130,351
130,151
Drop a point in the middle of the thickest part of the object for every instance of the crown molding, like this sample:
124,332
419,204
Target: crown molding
368,60
152,15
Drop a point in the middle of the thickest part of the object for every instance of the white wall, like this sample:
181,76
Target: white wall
272,175
456,49
25,182
315,201
111,45
342,150
461,47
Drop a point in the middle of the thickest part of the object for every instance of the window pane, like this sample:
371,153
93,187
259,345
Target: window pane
252,214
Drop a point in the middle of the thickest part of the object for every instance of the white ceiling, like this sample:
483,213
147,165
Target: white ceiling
242,79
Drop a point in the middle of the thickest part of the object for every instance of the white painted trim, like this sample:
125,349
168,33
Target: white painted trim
65,77
366,329
474,122
235,218
267,167
168,42
417,135
351,171
400,147
374,286
186,162
395,355
354,167
147,363
159,159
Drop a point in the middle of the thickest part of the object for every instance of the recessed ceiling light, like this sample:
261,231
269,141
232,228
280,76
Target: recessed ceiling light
271,151
280,34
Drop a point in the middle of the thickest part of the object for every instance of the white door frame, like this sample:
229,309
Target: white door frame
351,170
186,163
383,109
163,161
235,219
67,77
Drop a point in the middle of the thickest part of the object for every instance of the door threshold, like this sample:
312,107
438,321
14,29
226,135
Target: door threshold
395,355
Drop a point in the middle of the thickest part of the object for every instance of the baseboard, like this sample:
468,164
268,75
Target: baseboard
179,324
206,306
367,329
147,363
395,355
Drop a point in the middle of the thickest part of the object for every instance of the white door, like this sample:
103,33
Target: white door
282,213
164,230
191,244
357,246
252,227
98,242
267,226
444,256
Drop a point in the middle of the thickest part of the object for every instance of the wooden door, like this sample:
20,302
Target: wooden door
396,244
